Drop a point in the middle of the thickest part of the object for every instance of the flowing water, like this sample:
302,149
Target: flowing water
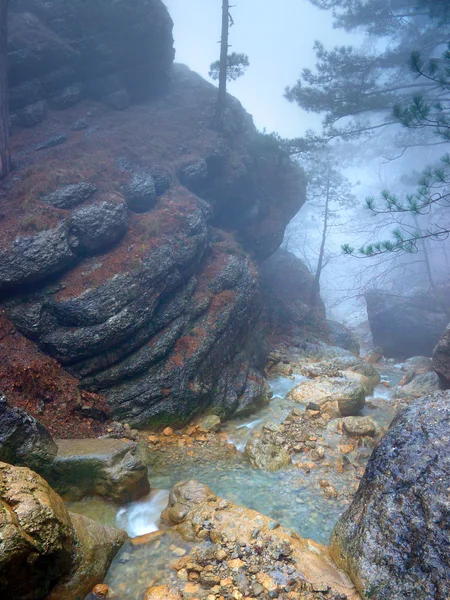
290,496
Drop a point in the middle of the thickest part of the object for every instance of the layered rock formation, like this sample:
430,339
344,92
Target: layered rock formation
60,54
130,249
405,326
394,538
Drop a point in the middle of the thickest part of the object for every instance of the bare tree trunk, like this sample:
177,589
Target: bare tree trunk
222,99
5,160
316,285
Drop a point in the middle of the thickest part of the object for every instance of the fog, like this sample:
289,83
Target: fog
279,39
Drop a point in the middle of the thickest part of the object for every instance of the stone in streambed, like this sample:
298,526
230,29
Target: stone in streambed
108,468
359,426
266,455
425,383
209,423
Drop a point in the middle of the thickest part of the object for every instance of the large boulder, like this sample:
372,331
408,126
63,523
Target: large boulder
286,285
346,398
59,55
405,326
45,552
394,540
342,336
421,385
108,468
441,358
23,440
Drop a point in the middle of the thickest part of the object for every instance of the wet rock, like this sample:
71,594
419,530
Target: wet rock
99,226
51,142
38,538
359,426
162,592
418,364
70,196
140,193
96,546
194,176
34,258
33,114
68,96
23,440
252,553
423,384
286,285
351,399
209,423
342,336
405,326
441,358
394,538
266,455
108,468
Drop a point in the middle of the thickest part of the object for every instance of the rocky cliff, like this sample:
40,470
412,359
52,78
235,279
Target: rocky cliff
131,239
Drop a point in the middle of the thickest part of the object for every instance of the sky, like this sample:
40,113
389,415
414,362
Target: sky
278,37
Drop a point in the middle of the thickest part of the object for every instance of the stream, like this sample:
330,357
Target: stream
290,496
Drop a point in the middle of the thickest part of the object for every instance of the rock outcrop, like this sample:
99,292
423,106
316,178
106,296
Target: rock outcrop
441,358
405,326
46,553
341,336
61,54
286,286
394,539
23,440
108,468
154,306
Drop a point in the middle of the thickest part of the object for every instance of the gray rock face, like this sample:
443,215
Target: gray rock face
340,335
107,468
441,358
405,326
394,539
70,196
140,193
23,440
99,226
421,385
32,259
125,52
418,364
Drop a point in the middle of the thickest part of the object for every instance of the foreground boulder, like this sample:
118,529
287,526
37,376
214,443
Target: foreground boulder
332,395
44,552
405,326
394,540
251,554
23,440
441,358
108,468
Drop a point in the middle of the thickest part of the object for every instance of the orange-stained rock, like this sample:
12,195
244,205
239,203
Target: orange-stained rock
162,592
101,590
193,508
168,431
147,538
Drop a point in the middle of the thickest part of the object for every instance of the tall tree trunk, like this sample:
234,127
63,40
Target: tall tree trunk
316,285
222,98
5,160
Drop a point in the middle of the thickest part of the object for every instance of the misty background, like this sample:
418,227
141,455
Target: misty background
279,39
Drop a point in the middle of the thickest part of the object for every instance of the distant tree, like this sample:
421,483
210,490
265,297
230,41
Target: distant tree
328,193
355,89
5,159
229,67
